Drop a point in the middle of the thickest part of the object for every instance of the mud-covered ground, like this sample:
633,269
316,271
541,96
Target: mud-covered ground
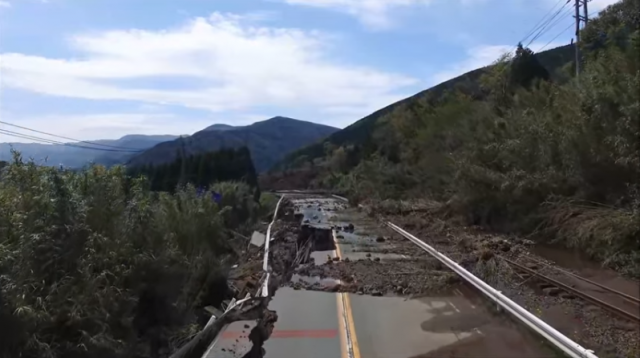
378,278
371,259
483,254
363,256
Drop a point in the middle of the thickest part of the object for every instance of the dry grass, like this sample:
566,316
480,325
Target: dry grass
608,234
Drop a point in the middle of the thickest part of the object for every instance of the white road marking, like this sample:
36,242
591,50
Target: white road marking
454,307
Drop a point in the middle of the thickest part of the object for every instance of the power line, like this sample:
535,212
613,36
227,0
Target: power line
72,139
51,141
541,21
25,136
555,37
550,23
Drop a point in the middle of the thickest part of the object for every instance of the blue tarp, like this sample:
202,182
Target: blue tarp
217,197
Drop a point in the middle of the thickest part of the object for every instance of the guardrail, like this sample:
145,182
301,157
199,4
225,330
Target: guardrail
340,198
559,340
262,291
265,263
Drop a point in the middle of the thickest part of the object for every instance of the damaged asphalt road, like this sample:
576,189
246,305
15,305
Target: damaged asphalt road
342,285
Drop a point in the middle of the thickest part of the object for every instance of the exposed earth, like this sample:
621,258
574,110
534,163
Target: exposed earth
321,245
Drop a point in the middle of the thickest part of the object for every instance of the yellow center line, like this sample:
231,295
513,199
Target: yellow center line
348,338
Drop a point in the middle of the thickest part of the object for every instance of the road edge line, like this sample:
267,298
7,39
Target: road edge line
352,346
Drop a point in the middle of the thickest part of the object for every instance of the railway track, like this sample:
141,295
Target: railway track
616,302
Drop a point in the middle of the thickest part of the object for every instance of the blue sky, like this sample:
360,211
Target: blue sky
101,69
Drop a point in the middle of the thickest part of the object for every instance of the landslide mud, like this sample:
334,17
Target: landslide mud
377,278
375,262
482,253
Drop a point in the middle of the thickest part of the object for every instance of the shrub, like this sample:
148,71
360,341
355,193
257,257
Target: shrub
94,264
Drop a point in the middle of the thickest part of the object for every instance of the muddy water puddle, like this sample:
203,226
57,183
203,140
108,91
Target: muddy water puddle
437,326
322,257
359,255
314,280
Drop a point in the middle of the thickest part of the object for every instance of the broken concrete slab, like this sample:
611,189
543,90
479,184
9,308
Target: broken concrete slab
258,238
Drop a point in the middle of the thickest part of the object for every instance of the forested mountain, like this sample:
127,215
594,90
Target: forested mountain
74,157
201,170
522,146
360,133
268,141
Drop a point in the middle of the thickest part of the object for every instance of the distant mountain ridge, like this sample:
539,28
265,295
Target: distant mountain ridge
268,141
74,157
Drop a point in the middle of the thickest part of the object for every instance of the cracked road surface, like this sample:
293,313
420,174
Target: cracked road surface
455,322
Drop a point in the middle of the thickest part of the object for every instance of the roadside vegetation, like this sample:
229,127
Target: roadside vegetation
94,263
525,149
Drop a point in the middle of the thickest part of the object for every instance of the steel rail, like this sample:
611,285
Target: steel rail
583,295
621,294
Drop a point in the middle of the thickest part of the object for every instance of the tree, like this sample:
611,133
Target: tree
525,68
201,170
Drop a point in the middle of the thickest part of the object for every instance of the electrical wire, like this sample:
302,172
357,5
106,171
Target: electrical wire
550,25
555,37
72,139
26,136
51,141
541,21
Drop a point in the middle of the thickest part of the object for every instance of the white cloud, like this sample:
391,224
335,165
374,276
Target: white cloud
594,6
481,56
242,66
4,3
373,13
597,5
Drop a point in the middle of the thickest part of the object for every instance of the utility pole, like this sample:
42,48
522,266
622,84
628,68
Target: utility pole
586,11
584,17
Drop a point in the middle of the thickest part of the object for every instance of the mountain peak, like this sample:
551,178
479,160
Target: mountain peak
219,127
268,141
280,119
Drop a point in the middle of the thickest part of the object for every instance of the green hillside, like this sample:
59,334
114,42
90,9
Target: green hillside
522,146
360,132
